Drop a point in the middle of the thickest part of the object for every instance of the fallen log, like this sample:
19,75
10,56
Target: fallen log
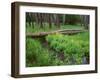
41,34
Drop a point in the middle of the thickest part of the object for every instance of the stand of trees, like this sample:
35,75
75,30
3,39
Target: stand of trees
42,20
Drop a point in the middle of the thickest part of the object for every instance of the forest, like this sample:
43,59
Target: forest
56,39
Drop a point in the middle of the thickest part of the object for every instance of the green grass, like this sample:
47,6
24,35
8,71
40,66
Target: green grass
36,55
72,27
37,29
72,47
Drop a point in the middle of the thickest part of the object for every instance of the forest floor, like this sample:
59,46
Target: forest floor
45,54
53,28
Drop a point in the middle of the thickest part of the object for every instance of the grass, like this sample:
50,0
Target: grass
72,27
59,50
37,29
36,54
71,46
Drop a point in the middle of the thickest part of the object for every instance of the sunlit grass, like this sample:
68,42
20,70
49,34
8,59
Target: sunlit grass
36,29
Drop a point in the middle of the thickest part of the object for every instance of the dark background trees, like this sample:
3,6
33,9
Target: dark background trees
49,20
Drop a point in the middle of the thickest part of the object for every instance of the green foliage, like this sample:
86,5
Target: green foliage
57,61
36,55
35,28
72,27
72,46
61,50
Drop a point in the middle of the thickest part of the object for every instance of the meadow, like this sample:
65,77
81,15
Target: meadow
56,47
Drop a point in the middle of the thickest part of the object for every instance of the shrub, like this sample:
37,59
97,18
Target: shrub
36,55
75,45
